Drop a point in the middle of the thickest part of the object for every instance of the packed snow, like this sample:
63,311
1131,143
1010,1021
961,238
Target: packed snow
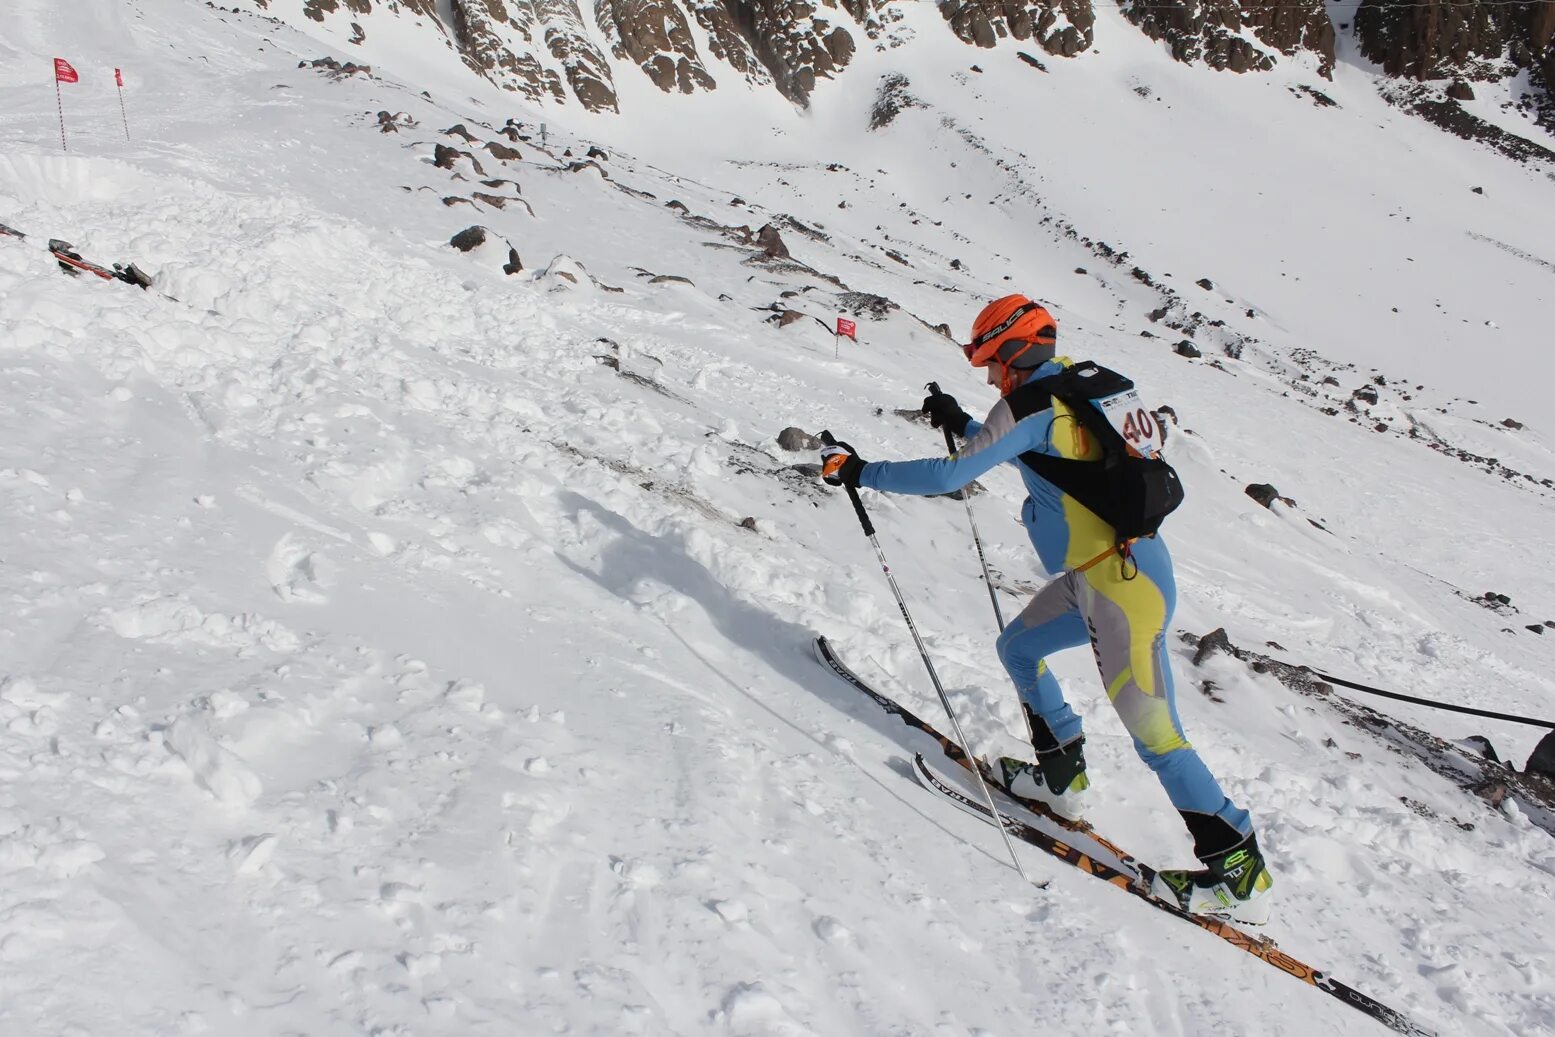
399,646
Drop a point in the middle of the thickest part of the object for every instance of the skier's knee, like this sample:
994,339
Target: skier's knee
1155,747
1005,645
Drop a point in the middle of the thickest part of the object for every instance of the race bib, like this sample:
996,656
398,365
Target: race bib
1134,422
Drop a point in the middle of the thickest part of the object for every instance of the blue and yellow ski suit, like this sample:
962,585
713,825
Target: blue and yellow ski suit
1123,615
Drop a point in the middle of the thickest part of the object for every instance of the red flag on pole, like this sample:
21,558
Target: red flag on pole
118,78
847,327
63,73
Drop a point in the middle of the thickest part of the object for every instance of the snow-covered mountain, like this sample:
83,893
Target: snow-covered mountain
410,640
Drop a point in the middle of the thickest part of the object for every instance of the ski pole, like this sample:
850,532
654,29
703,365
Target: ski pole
993,596
923,652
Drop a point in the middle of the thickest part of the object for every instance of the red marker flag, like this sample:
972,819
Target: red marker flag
63,73
118,78
847,327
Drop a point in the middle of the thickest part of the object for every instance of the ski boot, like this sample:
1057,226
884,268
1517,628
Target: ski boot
1234,884
1057,779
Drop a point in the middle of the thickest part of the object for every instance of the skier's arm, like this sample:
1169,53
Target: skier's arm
1001,438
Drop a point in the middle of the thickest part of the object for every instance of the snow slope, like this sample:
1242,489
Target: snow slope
379,660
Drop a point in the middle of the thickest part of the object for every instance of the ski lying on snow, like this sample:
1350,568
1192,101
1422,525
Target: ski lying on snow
828,658
71,262
1135,883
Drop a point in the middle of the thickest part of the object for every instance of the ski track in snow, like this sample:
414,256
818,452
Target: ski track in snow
379,660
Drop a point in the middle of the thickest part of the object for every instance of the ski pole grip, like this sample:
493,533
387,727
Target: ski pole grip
950,440
858,506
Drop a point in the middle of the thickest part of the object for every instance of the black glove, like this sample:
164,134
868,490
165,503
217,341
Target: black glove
840,465
944,411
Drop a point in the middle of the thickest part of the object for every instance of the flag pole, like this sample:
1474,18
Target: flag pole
60,103
119,81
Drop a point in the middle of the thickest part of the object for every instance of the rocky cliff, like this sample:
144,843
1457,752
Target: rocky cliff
1237,36
1466,41
553,49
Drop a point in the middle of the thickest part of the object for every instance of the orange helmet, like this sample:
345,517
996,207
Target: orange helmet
1012,332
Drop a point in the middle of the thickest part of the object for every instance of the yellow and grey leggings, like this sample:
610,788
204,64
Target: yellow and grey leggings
1125,622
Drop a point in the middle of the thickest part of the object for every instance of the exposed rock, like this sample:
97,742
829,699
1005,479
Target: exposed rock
1289,27
445,157
726,41
792,39
479,241
866,304
1266,494
788,317
458,130
1460,91
1187,349
503,152
1431,39
390,122
1062,27
483,31
598,153
1206,284
797,439
656,36
469,238
588,73
891,98
671,279
1541,762
1318,98
1216,640
1512,423
336,69
1455,119
1208,32
771,242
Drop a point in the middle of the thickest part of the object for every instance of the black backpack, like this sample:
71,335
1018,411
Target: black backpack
1130,492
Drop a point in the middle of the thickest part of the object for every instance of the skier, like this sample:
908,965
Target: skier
1116,594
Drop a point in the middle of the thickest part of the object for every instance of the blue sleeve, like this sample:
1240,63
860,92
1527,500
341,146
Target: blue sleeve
981,452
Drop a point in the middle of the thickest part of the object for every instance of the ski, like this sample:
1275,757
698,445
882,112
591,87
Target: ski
71,262
1128,874
829,659
1262,948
